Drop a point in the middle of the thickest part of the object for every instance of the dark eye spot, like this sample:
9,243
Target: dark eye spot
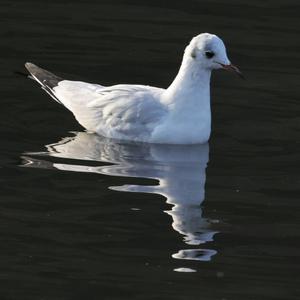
209,54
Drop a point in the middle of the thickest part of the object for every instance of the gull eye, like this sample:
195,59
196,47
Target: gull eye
209,54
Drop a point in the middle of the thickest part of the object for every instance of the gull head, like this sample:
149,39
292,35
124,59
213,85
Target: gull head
209,52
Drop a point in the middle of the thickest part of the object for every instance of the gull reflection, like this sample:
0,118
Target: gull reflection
179,170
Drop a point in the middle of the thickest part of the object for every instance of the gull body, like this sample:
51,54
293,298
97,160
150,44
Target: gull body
180,114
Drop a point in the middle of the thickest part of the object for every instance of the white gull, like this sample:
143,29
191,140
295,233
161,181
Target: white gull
180,114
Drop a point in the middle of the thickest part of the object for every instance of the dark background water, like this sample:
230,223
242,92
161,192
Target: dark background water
66,235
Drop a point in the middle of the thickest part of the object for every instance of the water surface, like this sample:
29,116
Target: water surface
84,217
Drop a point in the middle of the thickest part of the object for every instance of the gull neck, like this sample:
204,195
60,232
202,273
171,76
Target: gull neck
191,86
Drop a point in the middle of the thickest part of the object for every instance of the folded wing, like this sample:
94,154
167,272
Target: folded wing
120,111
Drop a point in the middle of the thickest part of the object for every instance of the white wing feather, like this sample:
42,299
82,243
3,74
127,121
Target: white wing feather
120,111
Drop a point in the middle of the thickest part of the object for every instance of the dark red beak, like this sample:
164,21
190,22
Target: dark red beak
234,69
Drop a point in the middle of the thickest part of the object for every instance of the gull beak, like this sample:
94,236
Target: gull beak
234,69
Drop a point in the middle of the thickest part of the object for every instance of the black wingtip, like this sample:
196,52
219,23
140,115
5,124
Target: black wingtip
44,77
32,68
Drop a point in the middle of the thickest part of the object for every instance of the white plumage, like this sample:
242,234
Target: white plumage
179,114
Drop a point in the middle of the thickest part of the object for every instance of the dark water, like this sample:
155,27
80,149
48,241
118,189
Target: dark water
218,221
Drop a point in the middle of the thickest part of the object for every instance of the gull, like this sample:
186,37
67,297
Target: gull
180,114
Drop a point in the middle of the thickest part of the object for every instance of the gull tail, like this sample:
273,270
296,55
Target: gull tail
46,79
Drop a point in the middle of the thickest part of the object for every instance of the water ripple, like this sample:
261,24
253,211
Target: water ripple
179,172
